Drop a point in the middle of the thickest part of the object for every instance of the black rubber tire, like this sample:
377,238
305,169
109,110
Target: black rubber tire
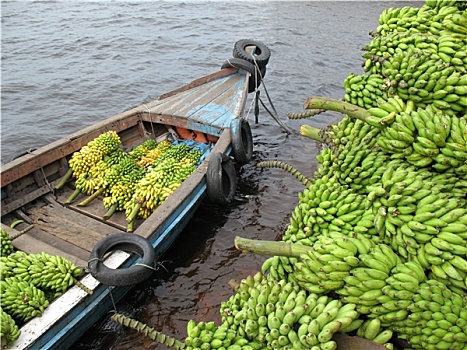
254,80
242,141
127,242
261,54
221,179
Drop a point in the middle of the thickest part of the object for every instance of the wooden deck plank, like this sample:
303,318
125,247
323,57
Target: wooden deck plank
66,225
205,102
216,113
29,243
189,102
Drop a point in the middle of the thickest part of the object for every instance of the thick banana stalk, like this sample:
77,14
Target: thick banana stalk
270,247
343,107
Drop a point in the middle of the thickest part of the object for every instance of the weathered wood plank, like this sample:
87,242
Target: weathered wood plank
94,212
32,245
53,222
200,81
18,203
197,99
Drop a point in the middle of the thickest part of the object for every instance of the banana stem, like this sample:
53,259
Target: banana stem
111,211
132,216
343,107
83,287
91,197
64,179
131,226
281,165
305,114
148,331
270,248
311,132
73,196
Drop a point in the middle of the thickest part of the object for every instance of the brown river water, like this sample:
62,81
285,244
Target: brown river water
67,65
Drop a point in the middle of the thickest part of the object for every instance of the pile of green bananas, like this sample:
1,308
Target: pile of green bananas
9,330
437,318
277,314
6,248
418,54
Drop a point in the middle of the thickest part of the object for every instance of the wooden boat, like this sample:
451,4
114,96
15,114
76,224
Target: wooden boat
211,106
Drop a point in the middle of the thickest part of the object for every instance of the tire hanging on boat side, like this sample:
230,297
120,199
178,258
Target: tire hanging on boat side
261,53
127,242
221,179
255,78
242,141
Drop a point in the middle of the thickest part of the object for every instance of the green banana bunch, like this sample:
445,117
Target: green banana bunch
372,329
52,272
278,267
324,206
397,294
16,264
5,244
22,299
47,272
327,264
140,151
206,335
277,313
364,286
363,90
9,330
437,318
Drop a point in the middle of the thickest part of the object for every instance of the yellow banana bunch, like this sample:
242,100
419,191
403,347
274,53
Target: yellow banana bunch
89,155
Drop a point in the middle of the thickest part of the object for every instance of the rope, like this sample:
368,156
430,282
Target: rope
275,115
150,121
112,299
29,151
144,265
